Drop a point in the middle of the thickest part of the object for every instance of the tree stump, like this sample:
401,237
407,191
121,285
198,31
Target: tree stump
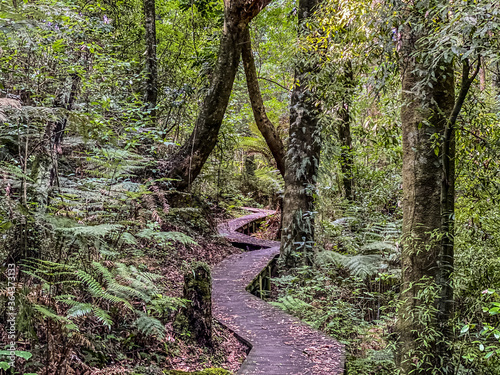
198,290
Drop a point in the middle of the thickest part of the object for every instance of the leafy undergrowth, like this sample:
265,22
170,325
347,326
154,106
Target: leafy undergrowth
350,292
100,279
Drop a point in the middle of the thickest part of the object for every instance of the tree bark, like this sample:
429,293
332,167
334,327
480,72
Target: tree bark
186,164
425,113
302,160
265,125
151,96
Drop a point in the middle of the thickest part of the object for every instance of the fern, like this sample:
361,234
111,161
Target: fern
150,326
7,169
47,313
97,290
100,230
128,239
166,238
358,265
79,309
292,304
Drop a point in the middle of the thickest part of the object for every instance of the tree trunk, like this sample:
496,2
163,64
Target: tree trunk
424,115
346,159
265,126
302,160
186,164
151,61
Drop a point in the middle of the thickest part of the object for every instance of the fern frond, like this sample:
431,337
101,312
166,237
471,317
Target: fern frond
128,239
150,326
104,272
102,316
97,290
100,230
47,313
166,238
358,265
292,304
79,309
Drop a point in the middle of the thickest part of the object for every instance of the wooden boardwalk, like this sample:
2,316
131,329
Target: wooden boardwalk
280,344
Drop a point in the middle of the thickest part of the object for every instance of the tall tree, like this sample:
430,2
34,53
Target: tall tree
424,114
265,125
429,115
302,158
151,60
185,165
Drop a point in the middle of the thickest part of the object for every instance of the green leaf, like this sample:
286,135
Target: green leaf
4,365
464,329
19,353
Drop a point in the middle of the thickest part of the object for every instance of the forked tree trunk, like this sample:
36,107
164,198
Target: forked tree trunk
151,96
302,160
186,164
265,125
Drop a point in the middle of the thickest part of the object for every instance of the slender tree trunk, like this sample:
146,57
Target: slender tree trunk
302,160
445,305
186,164
346,159
424,115
265,126
151,61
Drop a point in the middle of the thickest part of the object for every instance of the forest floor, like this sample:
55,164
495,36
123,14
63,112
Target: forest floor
229,352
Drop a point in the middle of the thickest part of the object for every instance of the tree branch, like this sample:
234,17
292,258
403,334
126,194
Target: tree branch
265,125
276,83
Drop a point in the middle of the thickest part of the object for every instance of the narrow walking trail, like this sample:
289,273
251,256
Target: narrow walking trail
280,344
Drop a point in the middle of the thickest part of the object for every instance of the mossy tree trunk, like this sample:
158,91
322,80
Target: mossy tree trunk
302,158
198,290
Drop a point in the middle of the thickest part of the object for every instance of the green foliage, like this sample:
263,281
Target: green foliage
358,265
150,326
376,363
165,238
292,304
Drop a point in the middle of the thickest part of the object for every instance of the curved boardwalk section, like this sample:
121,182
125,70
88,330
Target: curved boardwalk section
280,344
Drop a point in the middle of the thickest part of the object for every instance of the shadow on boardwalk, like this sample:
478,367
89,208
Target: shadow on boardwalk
280,344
